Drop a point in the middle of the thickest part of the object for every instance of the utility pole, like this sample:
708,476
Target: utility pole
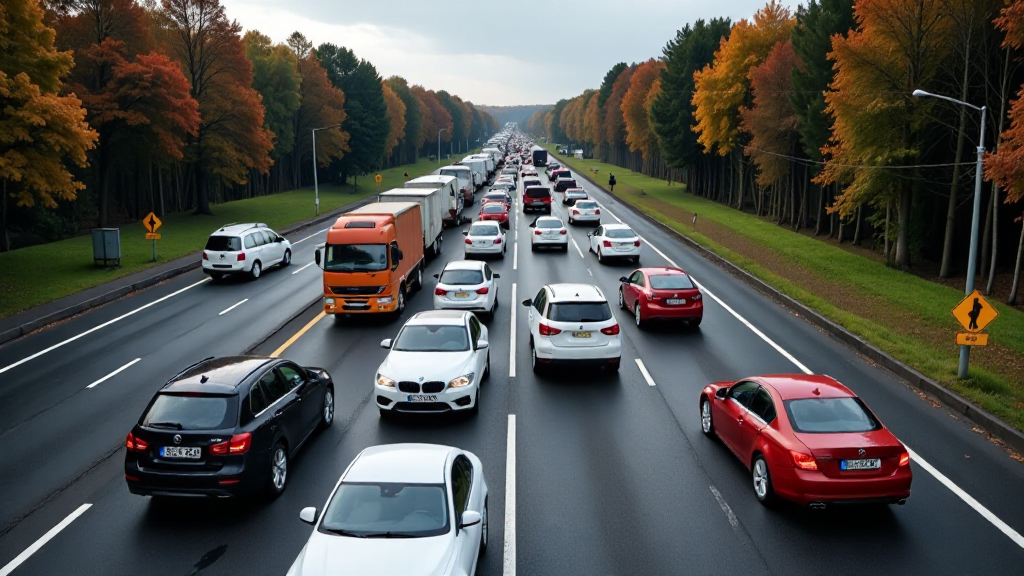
316,185
439,145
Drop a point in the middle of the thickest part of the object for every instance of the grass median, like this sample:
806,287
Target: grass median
38,274
902,314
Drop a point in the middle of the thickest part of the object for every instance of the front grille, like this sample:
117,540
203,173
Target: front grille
409,387
432,387
422,407
363,290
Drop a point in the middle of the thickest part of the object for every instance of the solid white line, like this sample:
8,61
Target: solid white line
509,558
578,251
725,508
643,370
310,236
512,336
13,564
104,325
112,374
589,272
610,213
303,268
232,307
515,255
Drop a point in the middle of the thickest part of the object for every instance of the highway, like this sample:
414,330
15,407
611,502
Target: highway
611,472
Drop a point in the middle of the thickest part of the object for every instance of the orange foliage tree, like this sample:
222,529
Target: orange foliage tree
635,108
771,122
396,112
322,105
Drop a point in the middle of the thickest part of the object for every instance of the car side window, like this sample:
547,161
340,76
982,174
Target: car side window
393,248
259,238
637,278
250,241
273,388
540,300
474,330
462,481
487,272
763,406
257,402
270,236
743,392
290,376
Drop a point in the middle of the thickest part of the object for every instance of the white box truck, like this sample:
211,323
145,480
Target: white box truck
464,175
454,201
479,168
489,162
433,209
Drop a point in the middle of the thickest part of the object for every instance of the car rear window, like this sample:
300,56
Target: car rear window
493,209
224,243
462,277
589,205
580,312
549,223
483,230
495,196
830,415
671,282
537,193
192,412
617,232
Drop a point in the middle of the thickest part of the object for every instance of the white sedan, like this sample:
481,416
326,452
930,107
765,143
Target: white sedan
615,241
467,285
435,364
585,210
549,231
485,239
400,510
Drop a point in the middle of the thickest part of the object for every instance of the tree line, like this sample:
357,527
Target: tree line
808,118
112,108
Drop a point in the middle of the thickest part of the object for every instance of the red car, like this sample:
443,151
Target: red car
807,439
497,211
661,294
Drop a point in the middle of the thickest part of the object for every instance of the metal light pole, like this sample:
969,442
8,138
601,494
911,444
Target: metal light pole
316,185
972,259
439,145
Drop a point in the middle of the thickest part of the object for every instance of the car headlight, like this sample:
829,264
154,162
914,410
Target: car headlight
384,381
385,300
329,301
461,381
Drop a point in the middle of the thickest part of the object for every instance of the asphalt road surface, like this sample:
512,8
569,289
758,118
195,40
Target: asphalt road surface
611,472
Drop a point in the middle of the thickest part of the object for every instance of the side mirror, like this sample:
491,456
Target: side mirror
465,232
482,344
316,256
623,279
308,515
722,393
496,275
437,275
528,302
469,518
533,224
386,343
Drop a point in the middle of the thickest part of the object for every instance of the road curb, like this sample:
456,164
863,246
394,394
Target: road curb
70,311
986,420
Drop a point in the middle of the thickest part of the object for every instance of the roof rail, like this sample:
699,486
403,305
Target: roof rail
178,375
226,225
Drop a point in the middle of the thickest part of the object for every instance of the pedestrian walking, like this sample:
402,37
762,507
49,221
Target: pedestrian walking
611,182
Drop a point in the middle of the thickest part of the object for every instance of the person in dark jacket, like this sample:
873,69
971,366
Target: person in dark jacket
611,182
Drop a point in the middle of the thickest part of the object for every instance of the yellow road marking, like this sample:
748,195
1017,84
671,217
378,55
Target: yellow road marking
298,335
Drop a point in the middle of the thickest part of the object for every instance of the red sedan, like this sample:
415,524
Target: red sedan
661,294
497,211
807,439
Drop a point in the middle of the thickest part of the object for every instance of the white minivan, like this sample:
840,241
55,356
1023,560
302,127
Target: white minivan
247,249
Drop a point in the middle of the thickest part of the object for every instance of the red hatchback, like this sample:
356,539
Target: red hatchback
807,439
496,211
661,294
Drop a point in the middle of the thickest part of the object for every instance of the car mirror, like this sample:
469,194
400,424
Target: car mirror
386,343
308,515
496,275
722,393
482,344
465,232
623,279
533,224
437,275
280,239
528,302
469,518
316,256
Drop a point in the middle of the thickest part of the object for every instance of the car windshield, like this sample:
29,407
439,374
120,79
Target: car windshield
461,277
356,258
830,415
576,192
387,510
224,243
580,312
493,209
426,338
549,223
617,232
587,205
483,230
456,173
671,282
192,412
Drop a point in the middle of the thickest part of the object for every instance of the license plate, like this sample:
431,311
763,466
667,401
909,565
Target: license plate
179,452
581,334
462,294
864,464
536,203
480,243
675,301
422,398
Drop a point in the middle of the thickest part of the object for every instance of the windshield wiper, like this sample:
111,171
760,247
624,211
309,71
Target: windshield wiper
343,532
173,425
389,535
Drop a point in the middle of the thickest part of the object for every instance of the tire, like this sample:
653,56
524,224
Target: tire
762,480
327,410
565,248
707,425
286,259
533,247
571,221
418,285
695,323
490,314
537,367
636,260
256,270
600,257
216,276
483,530
401,301
437,245
614,366
476,404
277,474
636,315
386,414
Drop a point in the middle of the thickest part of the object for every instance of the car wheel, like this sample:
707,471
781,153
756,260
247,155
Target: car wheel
216,276
278,479
401,300
476,404
483,529
256,270
706,424
386,414
440,243
622,301
636,314
419,279
695,323
571,221
533,247
600,257
487,368
494,305
327,411
537,368
636,260
762,479
287,259
614,366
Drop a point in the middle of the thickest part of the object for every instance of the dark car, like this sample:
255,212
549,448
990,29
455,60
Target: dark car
227,427
564,184
537,198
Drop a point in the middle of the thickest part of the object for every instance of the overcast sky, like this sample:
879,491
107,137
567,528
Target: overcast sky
490,52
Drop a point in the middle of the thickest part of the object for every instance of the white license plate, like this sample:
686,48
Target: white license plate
422,398
675,301
480,243
462,294
581,334
179,452
864,464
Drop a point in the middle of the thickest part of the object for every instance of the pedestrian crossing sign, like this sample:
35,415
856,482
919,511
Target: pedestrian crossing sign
974,312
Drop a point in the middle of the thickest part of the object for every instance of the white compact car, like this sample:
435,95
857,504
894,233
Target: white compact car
244,249
400,510
467,285
585,211
485,239
549,231
615,241
572,195
572,324
435,364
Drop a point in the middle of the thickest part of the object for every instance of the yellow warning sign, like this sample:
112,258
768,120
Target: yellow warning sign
152,236
378,178
972,339
151,222
974,312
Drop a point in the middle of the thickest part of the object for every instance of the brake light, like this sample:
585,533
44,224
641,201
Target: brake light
135,444
239,444
537,232
497,240
803,461
904,459
575,211
563,232
241,256
440,292
546,330
468,241
206,256
483,290
636,243
612,330
696,297
597,210
607,244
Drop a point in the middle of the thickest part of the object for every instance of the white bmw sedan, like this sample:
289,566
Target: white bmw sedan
435,364
400,510
467,285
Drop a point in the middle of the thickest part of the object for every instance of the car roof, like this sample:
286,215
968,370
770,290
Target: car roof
235,228
616,226
567,190
465,264
441,178
575,293
661,270
222,375
548,218
453,317
406,463
793,386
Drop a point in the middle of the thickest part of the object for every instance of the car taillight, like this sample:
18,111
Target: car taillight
239,444
607,244
597,210
135,444
206,256
697,297
904,459
537,232
636,243
497,240
575,211
483,290
803,461
563,232
468,241
440,292
612,330
241,256
546,330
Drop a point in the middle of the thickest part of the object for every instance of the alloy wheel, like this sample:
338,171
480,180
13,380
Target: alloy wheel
256,269
761,479
279,468
287,258
328,407
705,417
636,313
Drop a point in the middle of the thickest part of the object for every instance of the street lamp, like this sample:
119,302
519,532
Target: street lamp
439,145
316,185
972,259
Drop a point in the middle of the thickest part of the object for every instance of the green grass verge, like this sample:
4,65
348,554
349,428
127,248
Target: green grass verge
926,302
42,273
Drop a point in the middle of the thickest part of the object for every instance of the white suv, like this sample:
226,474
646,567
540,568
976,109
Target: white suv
572,324
244,249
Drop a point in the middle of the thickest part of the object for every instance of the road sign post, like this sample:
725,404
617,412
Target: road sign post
974,313
378,179
151,222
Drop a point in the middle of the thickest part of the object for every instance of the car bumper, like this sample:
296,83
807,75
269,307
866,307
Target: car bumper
478,303
229,481
360,305
587,218
663,312
549,353
614,253
228,268
450,400
486,249
541,241
807,486
544,206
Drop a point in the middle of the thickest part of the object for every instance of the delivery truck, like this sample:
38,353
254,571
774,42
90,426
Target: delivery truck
465,177
433,210
373,259
540,156
479,168
489,163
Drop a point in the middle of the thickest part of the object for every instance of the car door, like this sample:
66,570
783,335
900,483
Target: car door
284,408
467,539
275,248
636,285
537,311
492,288
479,356
309,394
760,414
594,236
273,398
256,421
734,413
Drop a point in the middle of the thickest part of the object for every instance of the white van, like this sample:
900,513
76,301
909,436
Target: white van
479,167
464,175
453,201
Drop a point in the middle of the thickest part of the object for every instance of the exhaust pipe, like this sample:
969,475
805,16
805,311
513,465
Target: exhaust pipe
817,505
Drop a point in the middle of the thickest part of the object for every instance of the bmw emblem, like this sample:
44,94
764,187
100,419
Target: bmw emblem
421,378
177,439
861,452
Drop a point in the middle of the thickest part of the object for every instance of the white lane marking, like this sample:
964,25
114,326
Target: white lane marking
589,272
112,374
515,255
512,336
578,251
610,213
310,236
725,508
232,307
509,558
303,268
643,370
13,564
104,325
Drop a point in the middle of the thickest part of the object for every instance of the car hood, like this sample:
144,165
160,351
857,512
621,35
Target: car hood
429,366
329,555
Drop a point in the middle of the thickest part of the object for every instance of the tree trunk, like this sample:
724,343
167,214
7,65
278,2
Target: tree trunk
986,237
202,192
1012,299
902,248
888,212
856,229
742,182
817,213
947,242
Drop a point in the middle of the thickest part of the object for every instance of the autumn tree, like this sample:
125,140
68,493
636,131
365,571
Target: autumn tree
276,77
635,108
411,137
613,127
440,119
605,91
321,106
396,115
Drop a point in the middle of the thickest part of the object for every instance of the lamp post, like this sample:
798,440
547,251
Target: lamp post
439,145
972,259
316,185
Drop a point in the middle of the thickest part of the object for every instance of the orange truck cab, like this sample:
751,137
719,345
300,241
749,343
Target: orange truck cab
373,259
